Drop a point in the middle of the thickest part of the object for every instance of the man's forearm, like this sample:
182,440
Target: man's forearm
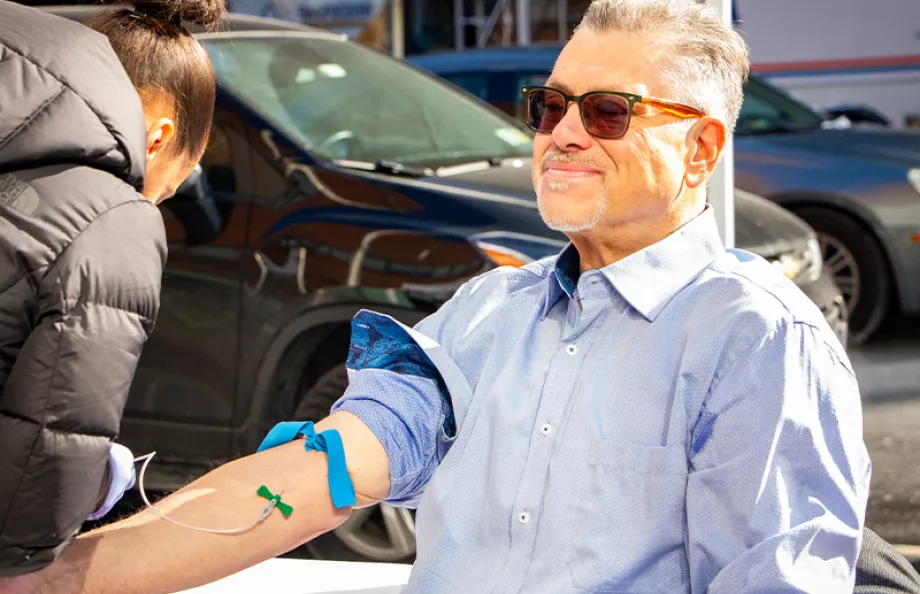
147,554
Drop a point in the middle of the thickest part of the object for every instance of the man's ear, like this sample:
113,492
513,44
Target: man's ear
159,135
705,142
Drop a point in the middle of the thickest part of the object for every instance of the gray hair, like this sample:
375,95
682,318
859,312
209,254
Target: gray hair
706,61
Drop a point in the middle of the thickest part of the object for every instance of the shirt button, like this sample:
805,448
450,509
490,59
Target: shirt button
546,429
571,349
524,518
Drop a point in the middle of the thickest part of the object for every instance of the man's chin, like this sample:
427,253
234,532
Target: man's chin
568,222
572,228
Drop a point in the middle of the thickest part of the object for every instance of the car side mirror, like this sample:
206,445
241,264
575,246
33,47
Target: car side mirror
194,207
193,189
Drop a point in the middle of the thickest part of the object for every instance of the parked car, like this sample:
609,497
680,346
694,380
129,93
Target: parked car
858,188
857,115
337,179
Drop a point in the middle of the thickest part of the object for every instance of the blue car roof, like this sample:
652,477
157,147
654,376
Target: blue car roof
534,58
538,58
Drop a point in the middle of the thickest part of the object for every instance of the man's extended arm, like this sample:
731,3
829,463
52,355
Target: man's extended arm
147,554
391,418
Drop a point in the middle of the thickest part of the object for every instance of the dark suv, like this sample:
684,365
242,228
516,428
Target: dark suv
338,179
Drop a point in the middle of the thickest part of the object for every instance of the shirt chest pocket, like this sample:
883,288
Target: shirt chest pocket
628,520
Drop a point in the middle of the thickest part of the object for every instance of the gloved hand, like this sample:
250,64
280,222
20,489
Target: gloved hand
121,478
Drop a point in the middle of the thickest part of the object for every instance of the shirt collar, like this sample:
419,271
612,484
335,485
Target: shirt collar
562,278
651,277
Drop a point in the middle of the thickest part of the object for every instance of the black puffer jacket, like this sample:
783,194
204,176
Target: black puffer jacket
81,257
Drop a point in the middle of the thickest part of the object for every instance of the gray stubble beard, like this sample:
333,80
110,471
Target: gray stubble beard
568,225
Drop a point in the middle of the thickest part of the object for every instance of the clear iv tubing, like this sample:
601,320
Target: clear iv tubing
266,510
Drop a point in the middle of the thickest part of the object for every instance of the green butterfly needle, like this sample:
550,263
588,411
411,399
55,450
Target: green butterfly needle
285,509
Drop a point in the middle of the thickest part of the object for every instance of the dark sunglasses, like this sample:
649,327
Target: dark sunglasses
604,114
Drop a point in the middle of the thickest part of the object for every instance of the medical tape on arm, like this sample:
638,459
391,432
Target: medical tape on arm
341,488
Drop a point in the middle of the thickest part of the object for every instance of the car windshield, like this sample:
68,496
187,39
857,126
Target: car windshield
766,109
346,101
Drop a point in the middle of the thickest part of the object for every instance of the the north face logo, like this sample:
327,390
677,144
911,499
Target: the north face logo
17,194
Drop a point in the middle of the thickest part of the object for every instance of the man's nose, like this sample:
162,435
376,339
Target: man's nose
570,133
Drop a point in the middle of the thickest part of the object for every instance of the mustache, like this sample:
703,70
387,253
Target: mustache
562,157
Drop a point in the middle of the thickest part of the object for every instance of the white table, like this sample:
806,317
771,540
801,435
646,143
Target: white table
308,576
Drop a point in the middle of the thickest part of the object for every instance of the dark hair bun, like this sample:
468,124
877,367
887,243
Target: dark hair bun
205,13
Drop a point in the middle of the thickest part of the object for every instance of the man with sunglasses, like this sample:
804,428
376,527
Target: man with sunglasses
645,412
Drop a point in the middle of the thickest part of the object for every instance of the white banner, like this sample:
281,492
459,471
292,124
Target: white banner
309,576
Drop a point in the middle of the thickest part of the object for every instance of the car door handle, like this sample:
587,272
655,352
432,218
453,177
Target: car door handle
298,263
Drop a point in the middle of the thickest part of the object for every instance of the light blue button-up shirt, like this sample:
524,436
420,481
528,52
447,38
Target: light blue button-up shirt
682,420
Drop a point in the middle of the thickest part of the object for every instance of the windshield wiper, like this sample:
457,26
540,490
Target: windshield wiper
385,166
448,170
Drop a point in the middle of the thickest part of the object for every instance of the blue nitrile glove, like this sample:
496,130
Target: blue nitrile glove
121,469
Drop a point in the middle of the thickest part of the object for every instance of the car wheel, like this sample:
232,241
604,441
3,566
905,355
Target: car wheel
381,533
858,265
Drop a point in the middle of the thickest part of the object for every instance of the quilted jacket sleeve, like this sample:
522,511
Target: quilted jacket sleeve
62,404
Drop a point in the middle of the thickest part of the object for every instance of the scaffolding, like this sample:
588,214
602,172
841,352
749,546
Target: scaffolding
508,22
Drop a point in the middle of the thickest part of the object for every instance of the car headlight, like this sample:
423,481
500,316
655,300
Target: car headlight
913,176
505,248
803,264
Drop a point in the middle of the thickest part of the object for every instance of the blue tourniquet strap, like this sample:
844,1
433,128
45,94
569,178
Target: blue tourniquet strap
340,487
282,433
329,441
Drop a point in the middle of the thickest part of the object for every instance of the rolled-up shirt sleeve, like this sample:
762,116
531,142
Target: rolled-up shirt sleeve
779,473
400,393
